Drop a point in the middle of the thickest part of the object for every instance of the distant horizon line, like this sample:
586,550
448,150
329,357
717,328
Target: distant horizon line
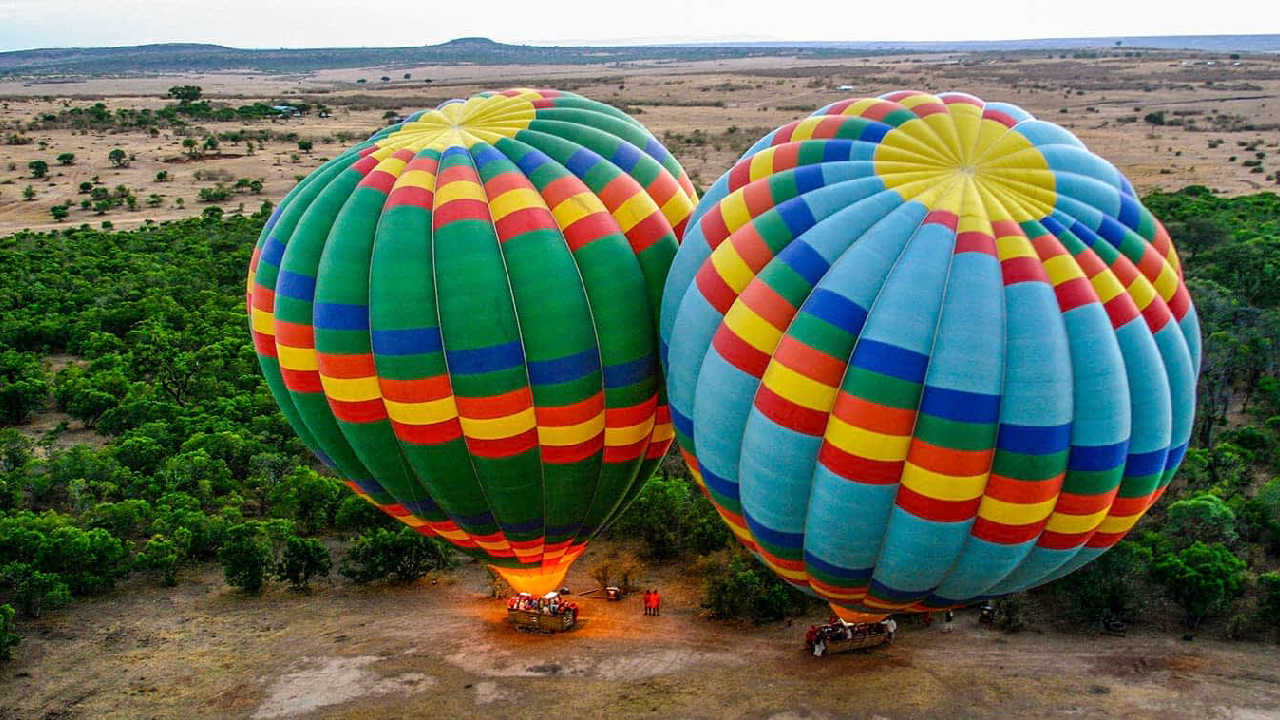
727,41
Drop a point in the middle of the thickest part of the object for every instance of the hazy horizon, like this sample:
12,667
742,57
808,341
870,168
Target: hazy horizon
31,24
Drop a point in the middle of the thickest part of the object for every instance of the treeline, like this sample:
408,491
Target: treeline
141,337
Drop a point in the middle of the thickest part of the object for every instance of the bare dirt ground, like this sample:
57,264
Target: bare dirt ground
440,647
1233,108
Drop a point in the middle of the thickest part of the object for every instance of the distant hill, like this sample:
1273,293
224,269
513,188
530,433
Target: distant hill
194,57
176,58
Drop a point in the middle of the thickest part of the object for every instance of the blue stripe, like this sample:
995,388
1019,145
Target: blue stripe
890,360
407,342
1034,439
875,132
368,487
340,316
1129,213
860,575
795,213
629,373
1094,458
683,423
475,521
719,485
562,530
1111,230
1085,233
521,527
456,151
423,507
879,589
484,154
531,161
485,359
1175,457
295,286
1144,464
272,251
581,161
835,309
654,149
836,150
569,367
804,260
777,538
960,405
1054,227
809,178
626,157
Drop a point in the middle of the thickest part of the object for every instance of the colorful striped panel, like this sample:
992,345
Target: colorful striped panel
969,376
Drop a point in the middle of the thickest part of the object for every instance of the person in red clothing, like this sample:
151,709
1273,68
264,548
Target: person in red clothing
648,601
657,603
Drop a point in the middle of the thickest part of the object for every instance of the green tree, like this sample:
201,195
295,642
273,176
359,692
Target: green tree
59,212
1204,518
736,585
160,556
211,143
162,175
305,145
8,635
403,556
39,168
1203,579
246,557
185,94
303,559
28,193
307,498
1269,603
24,387
118,157
1110,587
34,591
67,158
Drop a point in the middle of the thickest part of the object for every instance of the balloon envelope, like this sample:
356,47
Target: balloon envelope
923,350
459,317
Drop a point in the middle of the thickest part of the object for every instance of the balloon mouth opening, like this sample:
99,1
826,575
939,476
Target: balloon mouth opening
855,616
540,580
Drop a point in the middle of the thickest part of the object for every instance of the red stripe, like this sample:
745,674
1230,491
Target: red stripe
1022,492
589,229
561,189
632,414
644,234
860,469
573,414
346,367
740,175
942,217
1062,541
713,287
495,406
738,353
569,454
264,344
1120,309
972,241
410,195
434,434
995,532
929,508
810,362
416,390
1077,504
301,380
1156,314
504,447
1073,293
294,335
379,180
364,411
618,454
768,304
714,229
462,209
662,188
788,414
523,221
1022,269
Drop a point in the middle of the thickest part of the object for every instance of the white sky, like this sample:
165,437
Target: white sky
314,23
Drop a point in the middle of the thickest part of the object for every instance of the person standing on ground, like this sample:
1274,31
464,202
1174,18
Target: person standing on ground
891,627
947,621
657,603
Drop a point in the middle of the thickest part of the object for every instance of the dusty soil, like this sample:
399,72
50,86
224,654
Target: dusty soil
442,648
731,102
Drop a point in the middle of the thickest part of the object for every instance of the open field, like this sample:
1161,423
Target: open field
708,112
441,648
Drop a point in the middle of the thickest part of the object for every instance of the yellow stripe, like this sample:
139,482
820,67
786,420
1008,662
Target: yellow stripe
1141,292
487,545
860,107
423,413
1073,524
867,443
263,321
1166,283
1106,285
417,178
1115,524
732,268
499,428
797,575
761,164
1062,268
663,432
753,329
413,522
630,435
734,211
392,166
292,358
454,535
351,389
513,200
459,190
1007,513
633,210
573,209
1012,246
799,388
804,131
560,435
677,208
950,488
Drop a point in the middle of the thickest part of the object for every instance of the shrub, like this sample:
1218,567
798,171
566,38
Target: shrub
160,557
118,157
302,560
1269,604
1110,586
39,168
306,498
736,585
1203,579
1204,518
67,158
8,637
23,386
355,514
246,557
672,518
34,591
402,556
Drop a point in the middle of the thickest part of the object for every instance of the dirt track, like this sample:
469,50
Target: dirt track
442,649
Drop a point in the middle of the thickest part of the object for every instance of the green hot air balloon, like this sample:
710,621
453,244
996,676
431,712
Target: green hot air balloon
458,316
